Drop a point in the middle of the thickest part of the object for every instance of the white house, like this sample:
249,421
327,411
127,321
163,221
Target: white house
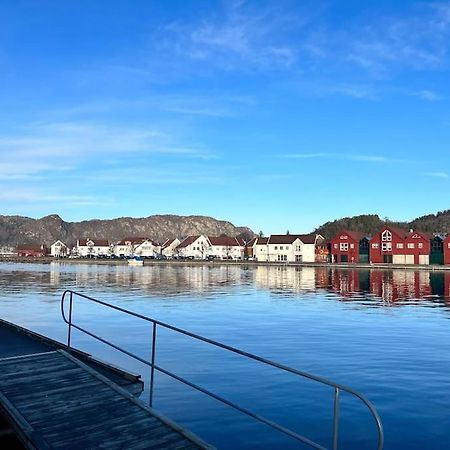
225,247
137,246
169,247
147,249
59,250
195,247
259,248
92,248
291,247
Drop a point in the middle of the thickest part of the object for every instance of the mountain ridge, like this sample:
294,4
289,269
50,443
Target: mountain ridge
16,229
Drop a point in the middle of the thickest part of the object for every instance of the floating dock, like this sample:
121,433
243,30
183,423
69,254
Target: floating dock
51,399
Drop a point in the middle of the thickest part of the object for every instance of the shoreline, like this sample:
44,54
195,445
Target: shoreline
154,262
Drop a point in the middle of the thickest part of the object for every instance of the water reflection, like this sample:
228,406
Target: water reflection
388,286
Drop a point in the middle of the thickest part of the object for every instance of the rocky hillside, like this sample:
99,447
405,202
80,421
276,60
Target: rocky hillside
371,223
24,230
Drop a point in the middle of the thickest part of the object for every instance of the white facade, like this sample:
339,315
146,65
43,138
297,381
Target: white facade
195,247
291,248
169,248
260,249
59,250
224,247
130,247
147,249
92,248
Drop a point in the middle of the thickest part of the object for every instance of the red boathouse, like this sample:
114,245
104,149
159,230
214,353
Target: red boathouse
349,247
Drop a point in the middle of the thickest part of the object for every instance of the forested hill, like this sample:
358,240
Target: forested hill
371,223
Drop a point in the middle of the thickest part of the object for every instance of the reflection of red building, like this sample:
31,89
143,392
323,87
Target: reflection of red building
345,282
446,292
345,247
398,284
322,277
34,251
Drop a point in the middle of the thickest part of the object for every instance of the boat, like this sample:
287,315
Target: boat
136,261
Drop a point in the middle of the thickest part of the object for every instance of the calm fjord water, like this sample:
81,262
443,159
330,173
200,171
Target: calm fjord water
384,333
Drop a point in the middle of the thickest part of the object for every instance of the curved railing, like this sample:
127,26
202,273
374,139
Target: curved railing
338,388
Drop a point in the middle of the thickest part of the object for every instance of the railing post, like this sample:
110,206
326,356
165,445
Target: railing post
69,335
336,418
152,372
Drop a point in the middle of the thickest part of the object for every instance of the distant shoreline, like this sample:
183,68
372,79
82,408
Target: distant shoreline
154,262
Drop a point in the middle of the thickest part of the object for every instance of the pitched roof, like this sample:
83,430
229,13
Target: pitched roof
168,242
427,236
355,235
262,240
132,240
251,242
188,241
290,238
225,241
31,247
97,242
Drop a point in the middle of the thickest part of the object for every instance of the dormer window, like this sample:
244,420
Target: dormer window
386,236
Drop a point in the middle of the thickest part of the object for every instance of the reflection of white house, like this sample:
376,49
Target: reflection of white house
225,247
291,247
92,247
59,250
296,279
169,247
137,246
195,247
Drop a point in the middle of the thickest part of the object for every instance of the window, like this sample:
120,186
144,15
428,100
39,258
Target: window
281,247
276,247
411,245
400,245
420,245
336,246
386,236
352,245
282,258
343,246
376,245
386,246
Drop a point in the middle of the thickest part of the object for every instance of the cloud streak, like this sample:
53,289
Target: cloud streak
347,157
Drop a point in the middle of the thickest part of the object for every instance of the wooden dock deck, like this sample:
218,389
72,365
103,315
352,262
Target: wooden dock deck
54,399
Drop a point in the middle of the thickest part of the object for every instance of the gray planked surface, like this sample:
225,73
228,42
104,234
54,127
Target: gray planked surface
58,401
18,341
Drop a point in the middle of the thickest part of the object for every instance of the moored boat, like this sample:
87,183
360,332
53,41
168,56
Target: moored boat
136,261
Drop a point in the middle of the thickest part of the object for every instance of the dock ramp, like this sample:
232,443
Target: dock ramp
54,400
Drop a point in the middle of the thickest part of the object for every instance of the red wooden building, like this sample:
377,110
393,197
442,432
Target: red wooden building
347,246
394,245
33,251
417,248
446,249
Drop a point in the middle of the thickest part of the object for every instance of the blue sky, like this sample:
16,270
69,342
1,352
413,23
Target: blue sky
276,115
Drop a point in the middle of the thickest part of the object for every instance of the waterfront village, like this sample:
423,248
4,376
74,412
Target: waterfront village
389,246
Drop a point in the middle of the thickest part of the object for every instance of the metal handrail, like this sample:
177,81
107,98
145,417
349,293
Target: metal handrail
336,386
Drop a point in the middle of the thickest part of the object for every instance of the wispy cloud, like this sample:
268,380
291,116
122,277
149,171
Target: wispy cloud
348,157
443,175
427,95
240,37
53,147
